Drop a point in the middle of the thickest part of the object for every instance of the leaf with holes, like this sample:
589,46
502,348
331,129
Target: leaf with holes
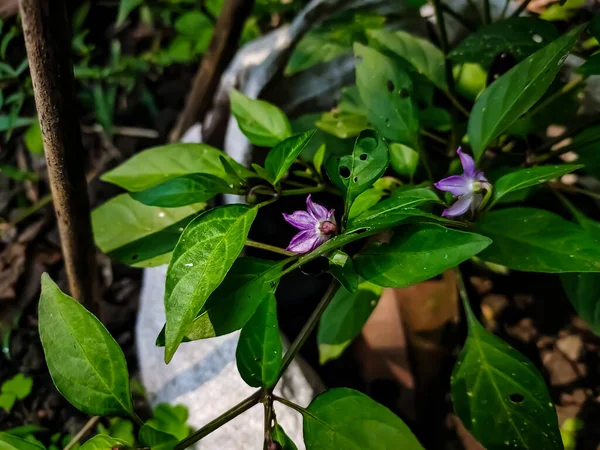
519,36
95,380
258,353
417,253
160,164
364,166
279,436
232,304
282,156
511,95
524,178
263,124
500,396
183,191
425,57
139,235
342,269
347,419
535,240
204,254
344,319
387,93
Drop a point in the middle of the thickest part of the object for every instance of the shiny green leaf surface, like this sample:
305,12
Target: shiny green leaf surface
204,254
282,156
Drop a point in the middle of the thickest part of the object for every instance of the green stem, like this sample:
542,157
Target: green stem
269,248
571,85
433,136
268,404
462,290
424,157
487,15
306,190
292,405
309,326
139,422
439,17
576,190
220,421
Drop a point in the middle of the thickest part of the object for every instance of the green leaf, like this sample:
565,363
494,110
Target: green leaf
139,235
103,442
204,254
364,201
282,156
17,174
364,166
9,442
159,164
346,419
258,353
232,304
86,364
524,178
500,396
511,95
536,240
350,102
342,125
417,253
425,57
183,191
126,7
314,48
401,201
155,439
587,145
279,436
191,23
7,401
583,290
318,159
263,124
591,66
342,269
19,385
403,159
594,26
33,139
170,419
344,319
435,118
7,122
519,36
387,93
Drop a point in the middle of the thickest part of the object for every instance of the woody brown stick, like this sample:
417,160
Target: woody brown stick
223,46
48,41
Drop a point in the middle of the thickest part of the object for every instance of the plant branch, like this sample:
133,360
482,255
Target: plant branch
81,433
268,404
292,405
309,326
220,421
522,7
269,248
48,44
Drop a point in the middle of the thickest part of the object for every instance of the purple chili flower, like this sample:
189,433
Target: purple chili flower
467,187
316,226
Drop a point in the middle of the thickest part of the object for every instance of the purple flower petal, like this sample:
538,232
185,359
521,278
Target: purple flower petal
301,220
456,184
468,164
479,176
319,212
477,198
460,207
305,241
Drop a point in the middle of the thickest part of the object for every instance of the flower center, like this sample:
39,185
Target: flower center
327,227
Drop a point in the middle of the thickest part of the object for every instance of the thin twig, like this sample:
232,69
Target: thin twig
270,248
308,327
289,404
220,52
123,131
48,44
522,7
228,415
87,427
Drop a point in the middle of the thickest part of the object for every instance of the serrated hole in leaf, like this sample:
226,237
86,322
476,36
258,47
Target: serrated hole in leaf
356,179
516,398
390,85
403,93
363,157
344,172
